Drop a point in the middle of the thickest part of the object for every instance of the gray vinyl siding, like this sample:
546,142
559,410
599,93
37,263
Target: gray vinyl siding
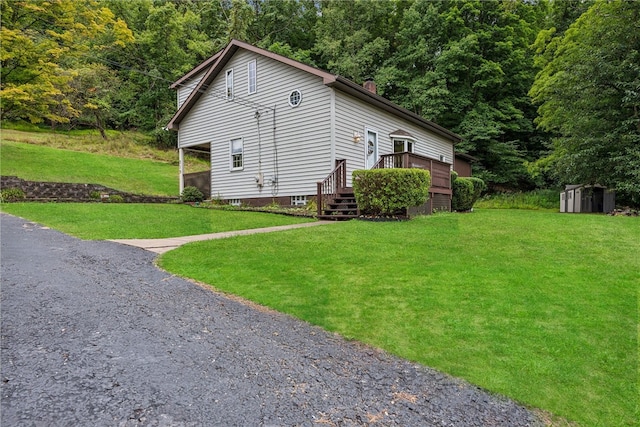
354,115
187,87
302,134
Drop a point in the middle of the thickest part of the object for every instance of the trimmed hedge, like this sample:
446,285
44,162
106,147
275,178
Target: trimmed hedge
390,191
478,187
466,192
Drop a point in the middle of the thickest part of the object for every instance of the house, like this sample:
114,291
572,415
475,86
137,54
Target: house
587,199
276,129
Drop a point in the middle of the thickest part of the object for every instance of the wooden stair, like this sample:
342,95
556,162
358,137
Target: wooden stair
342,207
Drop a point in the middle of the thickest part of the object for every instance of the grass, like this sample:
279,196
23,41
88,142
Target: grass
534,305
533,200
538,306
129,144
38,163
141,221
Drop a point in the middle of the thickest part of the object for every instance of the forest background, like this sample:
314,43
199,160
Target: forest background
543,92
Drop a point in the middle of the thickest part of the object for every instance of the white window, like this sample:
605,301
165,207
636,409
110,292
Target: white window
235,202
402,145
298,200
237,154
252,77
295,98
230,84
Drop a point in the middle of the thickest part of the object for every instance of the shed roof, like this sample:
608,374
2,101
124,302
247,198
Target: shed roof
217,62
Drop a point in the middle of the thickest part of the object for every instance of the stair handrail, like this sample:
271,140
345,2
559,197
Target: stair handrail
330,187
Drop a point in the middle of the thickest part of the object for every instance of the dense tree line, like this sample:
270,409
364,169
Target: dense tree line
543,92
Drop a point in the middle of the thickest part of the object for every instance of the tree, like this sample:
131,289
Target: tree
170,39
93,94
355,37
467,66
41,43
588,93
284,22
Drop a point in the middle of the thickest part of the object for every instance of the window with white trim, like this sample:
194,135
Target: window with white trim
229,81
402,145
252,77
236,150
235,202
295,98
298,200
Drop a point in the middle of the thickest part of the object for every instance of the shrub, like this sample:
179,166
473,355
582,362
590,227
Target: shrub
94,195
115,198
311,205
11,195
466,191
462,198
192,194
390,191
478,187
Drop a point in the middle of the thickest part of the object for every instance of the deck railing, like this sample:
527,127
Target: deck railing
329,188
440,171
336,182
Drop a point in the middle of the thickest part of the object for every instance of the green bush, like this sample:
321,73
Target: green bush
115,198
462,198
466,191
11,195
478,187
389,191
192,194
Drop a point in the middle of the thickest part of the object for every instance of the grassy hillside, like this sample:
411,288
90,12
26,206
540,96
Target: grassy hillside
125,161
38,163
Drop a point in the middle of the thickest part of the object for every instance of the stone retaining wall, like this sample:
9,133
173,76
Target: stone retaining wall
72,192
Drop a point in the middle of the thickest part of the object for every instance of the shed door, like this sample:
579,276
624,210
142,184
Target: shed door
371,148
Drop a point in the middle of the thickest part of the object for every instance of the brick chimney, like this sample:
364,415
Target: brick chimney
370,85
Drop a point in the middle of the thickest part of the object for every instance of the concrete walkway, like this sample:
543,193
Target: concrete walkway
161,246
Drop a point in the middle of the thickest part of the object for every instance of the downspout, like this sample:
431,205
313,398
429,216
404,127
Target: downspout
332,129
181,162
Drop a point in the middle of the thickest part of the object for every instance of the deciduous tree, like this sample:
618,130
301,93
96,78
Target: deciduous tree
589,95
467,66
41,43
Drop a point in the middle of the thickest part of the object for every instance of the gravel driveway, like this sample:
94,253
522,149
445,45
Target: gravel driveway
93,334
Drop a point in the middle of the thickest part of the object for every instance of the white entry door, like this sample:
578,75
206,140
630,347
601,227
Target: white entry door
371,148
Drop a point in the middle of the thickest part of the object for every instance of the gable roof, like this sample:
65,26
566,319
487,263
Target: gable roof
217,62
197,70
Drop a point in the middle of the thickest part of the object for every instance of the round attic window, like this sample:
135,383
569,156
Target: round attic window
295,98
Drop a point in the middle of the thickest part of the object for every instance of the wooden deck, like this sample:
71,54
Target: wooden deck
336,201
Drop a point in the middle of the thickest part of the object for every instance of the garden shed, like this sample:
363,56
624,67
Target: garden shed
587,199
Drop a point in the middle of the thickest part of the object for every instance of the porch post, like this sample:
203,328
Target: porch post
181,161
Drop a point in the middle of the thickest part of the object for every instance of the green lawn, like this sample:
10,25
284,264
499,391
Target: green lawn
141,221
538,306
40,163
